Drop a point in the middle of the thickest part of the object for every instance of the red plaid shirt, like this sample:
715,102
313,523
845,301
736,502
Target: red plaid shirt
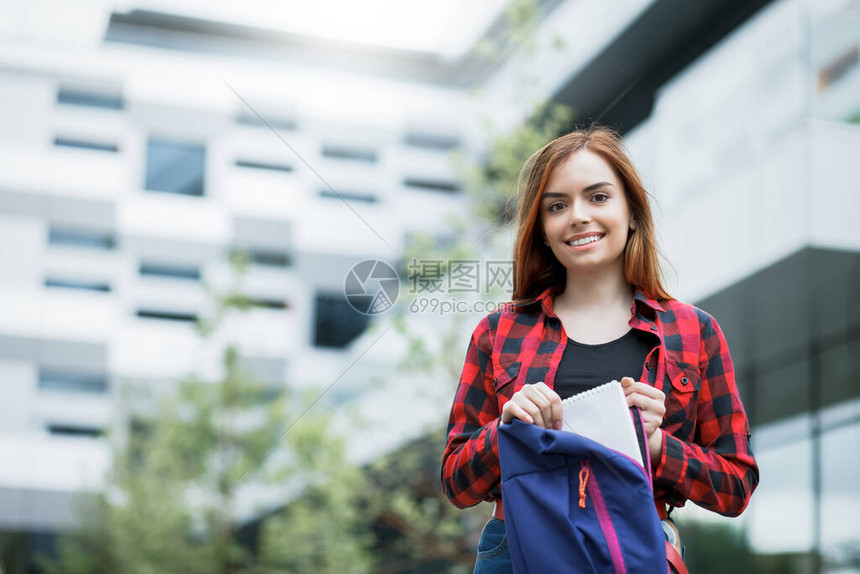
706,450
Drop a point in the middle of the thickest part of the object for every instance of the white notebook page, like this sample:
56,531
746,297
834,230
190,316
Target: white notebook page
602,415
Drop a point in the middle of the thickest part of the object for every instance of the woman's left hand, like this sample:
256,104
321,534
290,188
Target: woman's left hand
652,407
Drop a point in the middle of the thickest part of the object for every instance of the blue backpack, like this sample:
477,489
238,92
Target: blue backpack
574,505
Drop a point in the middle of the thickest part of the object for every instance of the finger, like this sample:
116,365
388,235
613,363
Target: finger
628,385
648,390
647,406
543,403
513,410
555,406
532,402
644,403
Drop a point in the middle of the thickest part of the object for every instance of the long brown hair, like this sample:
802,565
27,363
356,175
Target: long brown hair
536,268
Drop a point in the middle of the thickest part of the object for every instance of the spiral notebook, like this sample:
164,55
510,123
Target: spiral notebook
602,415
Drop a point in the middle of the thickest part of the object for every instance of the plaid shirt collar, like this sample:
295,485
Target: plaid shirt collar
639,299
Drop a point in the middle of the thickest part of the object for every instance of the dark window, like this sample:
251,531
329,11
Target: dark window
70,381
348,153
431,141
349,195
167,315
75,430
264,165
170,271
253,120
173,167
74,284
268,258
336,324
432,184
83,144
81,238
274,304
90,99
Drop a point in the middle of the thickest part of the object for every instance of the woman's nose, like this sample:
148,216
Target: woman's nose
579,213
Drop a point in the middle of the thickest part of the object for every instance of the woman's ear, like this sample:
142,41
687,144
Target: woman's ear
633,223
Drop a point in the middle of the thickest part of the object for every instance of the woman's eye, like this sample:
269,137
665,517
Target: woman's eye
553,207
599,197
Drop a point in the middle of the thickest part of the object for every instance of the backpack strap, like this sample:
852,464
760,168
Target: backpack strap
676,563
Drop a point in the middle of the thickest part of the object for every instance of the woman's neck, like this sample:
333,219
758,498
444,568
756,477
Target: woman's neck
593,292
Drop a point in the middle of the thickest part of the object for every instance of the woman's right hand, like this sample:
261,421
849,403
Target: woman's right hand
535,404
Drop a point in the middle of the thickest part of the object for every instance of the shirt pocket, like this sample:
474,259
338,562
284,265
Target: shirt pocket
682,398
504,376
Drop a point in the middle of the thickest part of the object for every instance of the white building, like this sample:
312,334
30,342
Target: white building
140,147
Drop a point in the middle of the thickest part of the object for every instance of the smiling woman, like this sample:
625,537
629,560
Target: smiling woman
589,307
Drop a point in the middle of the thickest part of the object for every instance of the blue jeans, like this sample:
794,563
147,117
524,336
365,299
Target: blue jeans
493,555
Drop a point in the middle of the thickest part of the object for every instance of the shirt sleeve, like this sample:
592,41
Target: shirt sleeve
470,464
717,470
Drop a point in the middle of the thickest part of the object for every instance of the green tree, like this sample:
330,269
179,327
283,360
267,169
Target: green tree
417,530
169,504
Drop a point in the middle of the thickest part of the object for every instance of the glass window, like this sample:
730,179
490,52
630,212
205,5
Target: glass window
431,141
248,118
81,238
349,196
72,97
432,184
75,430
336,324
350,153
167,315
173,167
169,271
268,258
75,284
60,141
264,165
781,511
265,303
840,497
71,381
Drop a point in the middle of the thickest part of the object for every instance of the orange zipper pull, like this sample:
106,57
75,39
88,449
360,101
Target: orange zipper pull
583,482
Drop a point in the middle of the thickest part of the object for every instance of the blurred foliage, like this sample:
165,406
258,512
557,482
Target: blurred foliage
323,530
170,500
715,548
417,529
492,182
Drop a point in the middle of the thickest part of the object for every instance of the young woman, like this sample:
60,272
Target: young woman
589,307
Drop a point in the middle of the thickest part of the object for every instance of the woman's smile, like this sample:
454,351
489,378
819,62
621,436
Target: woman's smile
585,241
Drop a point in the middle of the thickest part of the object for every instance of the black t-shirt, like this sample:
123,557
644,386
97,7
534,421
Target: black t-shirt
584,367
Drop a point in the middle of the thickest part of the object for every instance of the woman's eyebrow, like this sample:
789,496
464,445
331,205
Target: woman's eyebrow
586,189
552,194
597,185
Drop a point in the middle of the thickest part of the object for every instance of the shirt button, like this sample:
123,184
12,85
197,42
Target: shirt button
653,327
647,365
684,380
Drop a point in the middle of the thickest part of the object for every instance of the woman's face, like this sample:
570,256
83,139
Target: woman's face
585,215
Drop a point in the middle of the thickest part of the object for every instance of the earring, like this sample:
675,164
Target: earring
545,242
